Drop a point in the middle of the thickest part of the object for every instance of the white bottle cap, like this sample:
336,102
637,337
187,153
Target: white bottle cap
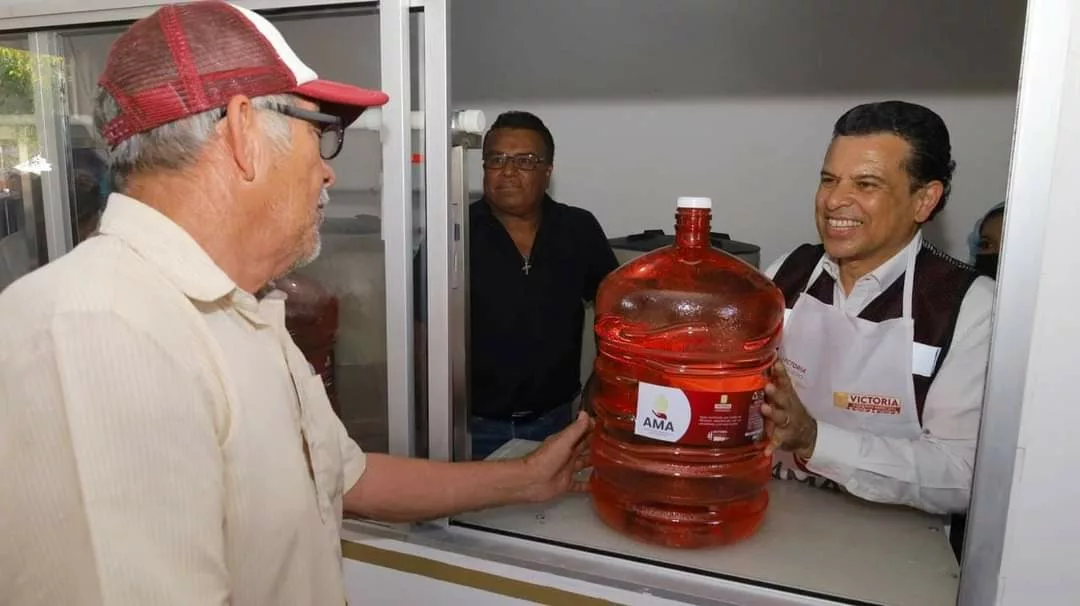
693,202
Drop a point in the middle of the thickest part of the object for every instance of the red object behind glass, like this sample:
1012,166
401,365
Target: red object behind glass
311,317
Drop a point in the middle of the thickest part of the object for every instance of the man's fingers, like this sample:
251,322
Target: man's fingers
778,368
776,399
581,449
773,392
576,430
776,440
774,413
780,375
771,445
581,461
777,408
775,427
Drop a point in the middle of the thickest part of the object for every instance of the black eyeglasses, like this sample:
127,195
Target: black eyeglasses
331,128
521,161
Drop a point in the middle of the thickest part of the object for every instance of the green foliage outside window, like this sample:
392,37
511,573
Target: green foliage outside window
17,125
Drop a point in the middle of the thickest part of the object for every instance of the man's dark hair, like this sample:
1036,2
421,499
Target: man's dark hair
924,130
1000,211
525,121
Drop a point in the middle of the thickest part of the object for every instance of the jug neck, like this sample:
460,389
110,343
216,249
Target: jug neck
692,227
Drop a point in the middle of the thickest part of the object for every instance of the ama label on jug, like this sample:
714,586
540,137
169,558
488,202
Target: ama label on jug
700,418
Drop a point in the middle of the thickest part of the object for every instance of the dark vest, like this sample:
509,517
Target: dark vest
940,285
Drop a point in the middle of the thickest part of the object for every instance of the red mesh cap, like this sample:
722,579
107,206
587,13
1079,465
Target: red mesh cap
189,58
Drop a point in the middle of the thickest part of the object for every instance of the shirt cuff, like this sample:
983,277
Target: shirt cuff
835,453
355,463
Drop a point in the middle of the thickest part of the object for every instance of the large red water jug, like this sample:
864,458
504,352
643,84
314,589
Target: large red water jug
311,317
686,335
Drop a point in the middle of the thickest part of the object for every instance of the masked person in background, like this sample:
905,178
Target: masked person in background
984,242
16,258
886,342
92,188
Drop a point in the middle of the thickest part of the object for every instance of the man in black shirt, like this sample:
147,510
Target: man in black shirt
533,264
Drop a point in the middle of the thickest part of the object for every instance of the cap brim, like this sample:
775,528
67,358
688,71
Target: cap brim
343,100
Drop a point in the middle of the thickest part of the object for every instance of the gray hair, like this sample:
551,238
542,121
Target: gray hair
177,145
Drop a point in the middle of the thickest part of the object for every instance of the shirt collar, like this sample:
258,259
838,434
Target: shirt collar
886,273
547,204
173,251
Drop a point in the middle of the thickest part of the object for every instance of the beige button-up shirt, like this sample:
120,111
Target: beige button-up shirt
153,424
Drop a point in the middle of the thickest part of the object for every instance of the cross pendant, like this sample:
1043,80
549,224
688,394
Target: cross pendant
526,267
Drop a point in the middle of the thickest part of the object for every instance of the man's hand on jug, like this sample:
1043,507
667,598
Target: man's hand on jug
554,464
787,422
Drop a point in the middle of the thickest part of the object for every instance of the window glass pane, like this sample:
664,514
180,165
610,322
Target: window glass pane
715,103
343,330
352,263
21,233
90,182
419,223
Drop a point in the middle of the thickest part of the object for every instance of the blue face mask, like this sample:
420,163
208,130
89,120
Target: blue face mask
987,264
105,185
975,235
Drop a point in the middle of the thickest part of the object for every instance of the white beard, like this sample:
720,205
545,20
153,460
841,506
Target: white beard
316,245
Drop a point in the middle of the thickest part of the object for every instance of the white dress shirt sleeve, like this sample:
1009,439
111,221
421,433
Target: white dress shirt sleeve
932,473
94,413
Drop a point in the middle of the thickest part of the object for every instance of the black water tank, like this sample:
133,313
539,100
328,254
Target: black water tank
651,239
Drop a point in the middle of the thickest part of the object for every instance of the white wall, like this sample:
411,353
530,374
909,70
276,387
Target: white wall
735,99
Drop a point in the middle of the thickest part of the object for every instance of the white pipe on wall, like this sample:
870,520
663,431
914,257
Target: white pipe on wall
469,121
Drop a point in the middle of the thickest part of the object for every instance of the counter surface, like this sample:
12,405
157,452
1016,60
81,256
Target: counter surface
814,540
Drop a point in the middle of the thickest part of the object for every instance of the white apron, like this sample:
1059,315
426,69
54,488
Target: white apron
853,373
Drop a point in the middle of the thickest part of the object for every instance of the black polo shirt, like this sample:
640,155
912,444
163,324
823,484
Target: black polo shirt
526,329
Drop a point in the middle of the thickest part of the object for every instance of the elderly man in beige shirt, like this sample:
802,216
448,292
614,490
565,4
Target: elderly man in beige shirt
163,439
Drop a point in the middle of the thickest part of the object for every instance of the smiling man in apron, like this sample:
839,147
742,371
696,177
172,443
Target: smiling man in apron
879,391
